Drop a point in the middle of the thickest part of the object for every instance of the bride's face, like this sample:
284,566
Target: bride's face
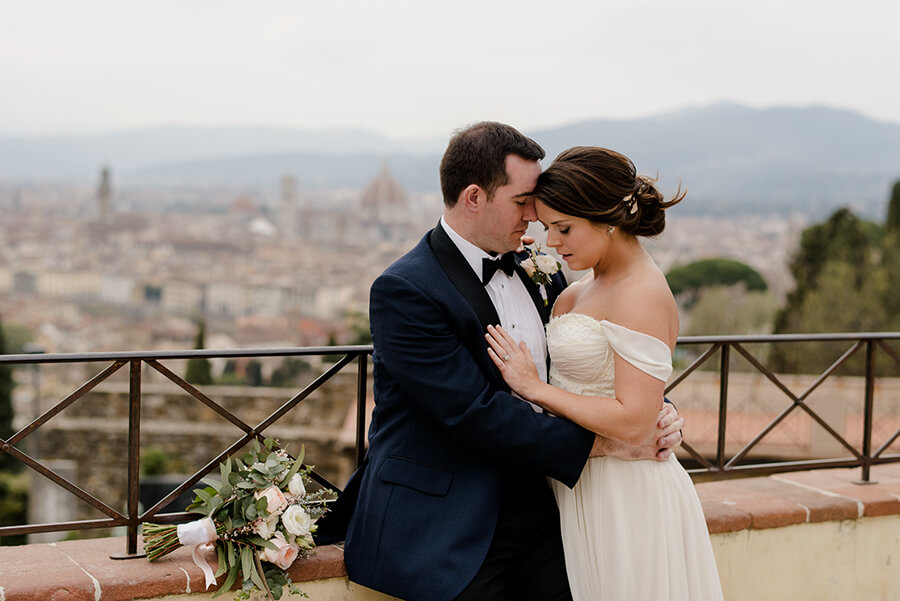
579,242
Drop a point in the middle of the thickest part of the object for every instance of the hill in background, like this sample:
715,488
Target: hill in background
731,158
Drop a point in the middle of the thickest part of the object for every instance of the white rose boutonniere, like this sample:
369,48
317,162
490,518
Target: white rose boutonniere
540,266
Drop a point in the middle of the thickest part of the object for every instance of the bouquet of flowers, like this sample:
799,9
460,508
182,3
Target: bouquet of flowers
259,518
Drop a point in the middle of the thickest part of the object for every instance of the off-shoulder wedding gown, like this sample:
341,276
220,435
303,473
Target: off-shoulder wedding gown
632,530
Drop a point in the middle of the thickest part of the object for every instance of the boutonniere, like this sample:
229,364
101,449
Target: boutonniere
540,266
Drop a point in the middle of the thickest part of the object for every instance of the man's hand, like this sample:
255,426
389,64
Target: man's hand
662,444
668,428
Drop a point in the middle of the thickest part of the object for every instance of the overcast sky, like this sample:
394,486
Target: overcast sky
415,68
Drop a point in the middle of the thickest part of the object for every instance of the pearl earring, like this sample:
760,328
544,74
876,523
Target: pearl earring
609,230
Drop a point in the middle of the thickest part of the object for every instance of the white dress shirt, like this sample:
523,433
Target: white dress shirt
518,315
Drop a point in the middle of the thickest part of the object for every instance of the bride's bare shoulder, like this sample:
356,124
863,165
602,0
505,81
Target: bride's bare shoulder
570,295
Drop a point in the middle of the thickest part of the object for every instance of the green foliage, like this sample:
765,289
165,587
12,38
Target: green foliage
843,238
253,373
844,272
359,325
16,337
199,369
6,408
691,278
892,224
13,505
723,310
156,462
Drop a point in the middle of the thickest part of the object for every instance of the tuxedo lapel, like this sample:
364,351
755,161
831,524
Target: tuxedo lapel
535,291
463,277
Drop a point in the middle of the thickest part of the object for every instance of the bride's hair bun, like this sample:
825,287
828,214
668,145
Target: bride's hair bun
602,186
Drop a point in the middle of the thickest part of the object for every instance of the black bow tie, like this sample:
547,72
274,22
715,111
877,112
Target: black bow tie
506,262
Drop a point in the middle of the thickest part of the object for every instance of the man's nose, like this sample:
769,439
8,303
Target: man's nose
529,214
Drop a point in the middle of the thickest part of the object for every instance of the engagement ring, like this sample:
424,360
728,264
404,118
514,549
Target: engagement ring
506,357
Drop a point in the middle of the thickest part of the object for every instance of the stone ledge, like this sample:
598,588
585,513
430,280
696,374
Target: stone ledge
798,498
82,570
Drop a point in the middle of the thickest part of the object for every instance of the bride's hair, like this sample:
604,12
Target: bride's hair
602,186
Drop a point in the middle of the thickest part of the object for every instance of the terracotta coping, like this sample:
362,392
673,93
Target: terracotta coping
83,571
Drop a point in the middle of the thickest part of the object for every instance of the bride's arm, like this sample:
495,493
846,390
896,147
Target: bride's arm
630,417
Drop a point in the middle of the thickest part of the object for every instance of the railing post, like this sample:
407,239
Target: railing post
723,405
867,413
134,459
361,392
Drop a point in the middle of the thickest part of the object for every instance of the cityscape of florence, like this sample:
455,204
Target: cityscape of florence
177,287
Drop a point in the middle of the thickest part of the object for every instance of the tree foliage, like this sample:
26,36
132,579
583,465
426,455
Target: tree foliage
844,283
199,369
724,310
6,408
691,278
892,224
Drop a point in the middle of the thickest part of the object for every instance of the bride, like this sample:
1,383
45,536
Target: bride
630,529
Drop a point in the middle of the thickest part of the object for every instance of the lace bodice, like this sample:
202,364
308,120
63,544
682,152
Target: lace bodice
582,353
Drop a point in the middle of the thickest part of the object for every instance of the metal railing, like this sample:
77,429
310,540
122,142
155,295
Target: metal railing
133,517
723,466
718,467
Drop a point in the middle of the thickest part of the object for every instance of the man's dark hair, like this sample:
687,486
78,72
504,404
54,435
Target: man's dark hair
477,155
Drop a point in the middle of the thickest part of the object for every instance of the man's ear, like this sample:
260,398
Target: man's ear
473,196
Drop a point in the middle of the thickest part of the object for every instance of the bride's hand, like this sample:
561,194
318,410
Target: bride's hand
513,360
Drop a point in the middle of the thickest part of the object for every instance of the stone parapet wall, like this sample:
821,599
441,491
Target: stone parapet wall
803,536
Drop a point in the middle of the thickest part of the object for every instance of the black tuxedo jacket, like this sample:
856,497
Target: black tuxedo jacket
446,435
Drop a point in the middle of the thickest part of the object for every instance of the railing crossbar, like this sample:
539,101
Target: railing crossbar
890,351
250,433
797,401
63,404
64,483
198,394
696,363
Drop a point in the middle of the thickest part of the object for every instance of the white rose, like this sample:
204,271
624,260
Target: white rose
296,487
547,264
266,528
528,266
296,520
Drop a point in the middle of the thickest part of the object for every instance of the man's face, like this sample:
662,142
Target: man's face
507,214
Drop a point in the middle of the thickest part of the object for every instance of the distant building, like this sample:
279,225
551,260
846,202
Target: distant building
287,209
384,207
104,197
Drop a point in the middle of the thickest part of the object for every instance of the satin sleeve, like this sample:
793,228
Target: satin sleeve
650,355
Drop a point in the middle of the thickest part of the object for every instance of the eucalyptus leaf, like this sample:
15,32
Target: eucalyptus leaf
229,581
213,482
220,553
254,574
205,494
247,563
261,542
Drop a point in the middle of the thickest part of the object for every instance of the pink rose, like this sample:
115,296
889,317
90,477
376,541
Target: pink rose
528,266
284,555
275,500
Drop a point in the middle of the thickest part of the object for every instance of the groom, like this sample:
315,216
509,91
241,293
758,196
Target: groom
452,500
